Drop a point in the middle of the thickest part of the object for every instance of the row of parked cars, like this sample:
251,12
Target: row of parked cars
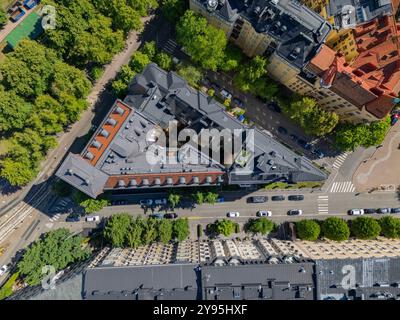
265,213
262,199
357,212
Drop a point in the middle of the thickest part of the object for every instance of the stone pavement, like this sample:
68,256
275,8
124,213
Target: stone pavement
381,171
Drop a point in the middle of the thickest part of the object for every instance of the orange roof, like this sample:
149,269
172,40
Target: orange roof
324,58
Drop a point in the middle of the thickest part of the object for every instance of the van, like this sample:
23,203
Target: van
92,218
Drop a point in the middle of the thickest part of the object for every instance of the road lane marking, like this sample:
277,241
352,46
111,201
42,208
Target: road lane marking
343,187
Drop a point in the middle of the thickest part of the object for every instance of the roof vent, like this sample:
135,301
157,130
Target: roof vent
212,5
70,171
111,122
133,183
196,180
170,181
182,180
145,182
220,179
157,181
104,133
121,183
89,155
96,144
119,110
208,179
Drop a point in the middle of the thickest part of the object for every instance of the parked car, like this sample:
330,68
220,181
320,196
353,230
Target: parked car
3,270
356,212
160,201
233,214
296,197
318,153
294,137
282,130
264,213
146,202
225,94
215,86
119,202
258,199
295,212
384,210
304,144
395,210
172,215
221,199
175,60
73,218
278,198
273,106
238,102
156,215
92,218
369,211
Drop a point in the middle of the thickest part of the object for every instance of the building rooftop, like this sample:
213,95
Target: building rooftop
116,157
298,30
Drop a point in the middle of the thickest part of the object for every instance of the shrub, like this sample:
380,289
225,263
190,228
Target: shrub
335,228
308,230
365,228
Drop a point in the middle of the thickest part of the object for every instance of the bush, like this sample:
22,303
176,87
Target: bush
365,228
6,290
88,204
180,229
96,72
390,227
308,230
224,226
335,228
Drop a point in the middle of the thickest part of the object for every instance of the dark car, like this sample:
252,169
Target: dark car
395,210
369,211
170,215
215,86
278,198
238,102
73,218
304,144
273,106
258,199
294,137
384,210
295,212
282,130
296,197
318,153
156,216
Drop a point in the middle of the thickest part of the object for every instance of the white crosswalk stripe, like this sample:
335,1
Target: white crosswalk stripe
55,217
340,160
323,204
342,186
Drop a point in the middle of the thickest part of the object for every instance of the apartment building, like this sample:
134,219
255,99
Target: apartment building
293,37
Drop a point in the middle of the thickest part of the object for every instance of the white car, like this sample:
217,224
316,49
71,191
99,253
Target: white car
264,213
92,218
356,212
160,201
233,214
146,202
3,270
225,94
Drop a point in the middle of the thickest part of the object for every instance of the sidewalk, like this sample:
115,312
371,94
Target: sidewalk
382,168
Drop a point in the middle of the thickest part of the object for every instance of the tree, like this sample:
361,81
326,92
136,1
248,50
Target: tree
134,234
3,17
203,42
199,197
174,199
180,229
57,248
191,75
232,60
250,73
365,228
138,61
125,76
308,230
211,197
261,225
224,226
390,227
117,229
13,110
173,9
163,60
312,118
335,228
149,233
90,205
164,231
149,49
143,6
17,173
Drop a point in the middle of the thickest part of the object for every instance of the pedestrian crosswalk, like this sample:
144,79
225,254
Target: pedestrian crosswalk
170,46
55,217
323,204
340,159
342,186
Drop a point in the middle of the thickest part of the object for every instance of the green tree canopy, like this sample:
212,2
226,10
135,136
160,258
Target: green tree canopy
203,42
365,227
90,205
335,228
308,230
261,225
117,228
150,231
390,227
180,229
173,9
134,234
174,199
251,73
191,74
57,248
163,60
3,17
211,197
225,227
13,110
164,230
